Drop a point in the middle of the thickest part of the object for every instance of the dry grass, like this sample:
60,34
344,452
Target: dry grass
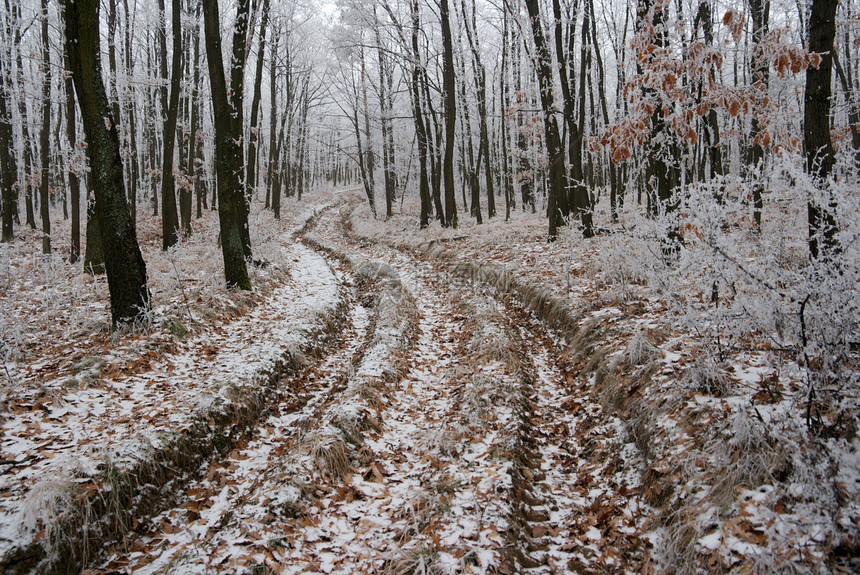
329,453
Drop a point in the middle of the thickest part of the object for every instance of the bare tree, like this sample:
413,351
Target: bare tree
7,176
228,139
126,272
44,138
169,216
552,138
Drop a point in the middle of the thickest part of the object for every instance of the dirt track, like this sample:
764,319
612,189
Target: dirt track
442,435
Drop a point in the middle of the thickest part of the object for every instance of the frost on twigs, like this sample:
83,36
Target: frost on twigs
639,349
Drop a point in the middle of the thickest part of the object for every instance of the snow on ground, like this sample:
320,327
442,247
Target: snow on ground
453,431
62,427
640,347
225,518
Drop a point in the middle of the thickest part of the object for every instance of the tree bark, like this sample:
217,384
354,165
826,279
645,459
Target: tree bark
251,178
169,216
74,181
126,271
228,139
7,177
505,104
193,184
760,10
420,127
450,97
820,156
94,256
853,109
273,121
551,134
132,127
44,139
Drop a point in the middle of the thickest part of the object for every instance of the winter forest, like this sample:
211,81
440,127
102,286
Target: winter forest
429,286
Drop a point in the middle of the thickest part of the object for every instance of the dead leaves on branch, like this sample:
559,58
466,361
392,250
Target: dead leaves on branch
682,84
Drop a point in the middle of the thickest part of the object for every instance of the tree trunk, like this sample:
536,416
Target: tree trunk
368,159
761,72
112,65
126,271
601,89
820,156
192,184
228,139
704,18
44,140
149,133
386,88
450,97
165,106
251,178
132,127
7,177
525,175
471,169
74,181
553,141
169,216
853,108
273,121
362,159
27,185
505,105
480,75
302,144
434,147
661,153
94,256
418,113
580,199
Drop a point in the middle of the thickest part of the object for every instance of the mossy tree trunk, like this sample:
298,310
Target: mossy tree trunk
126,271
228,139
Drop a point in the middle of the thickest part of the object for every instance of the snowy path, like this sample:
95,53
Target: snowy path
441,439
135,415
225,515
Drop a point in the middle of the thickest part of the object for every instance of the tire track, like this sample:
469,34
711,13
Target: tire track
243,487
443,437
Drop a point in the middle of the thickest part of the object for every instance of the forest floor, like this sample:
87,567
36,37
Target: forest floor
390,400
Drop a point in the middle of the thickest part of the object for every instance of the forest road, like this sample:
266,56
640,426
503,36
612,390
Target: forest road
440,436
